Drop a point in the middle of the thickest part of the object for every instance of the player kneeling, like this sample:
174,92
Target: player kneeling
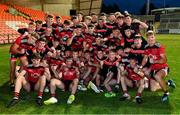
132,77
66,77
30,78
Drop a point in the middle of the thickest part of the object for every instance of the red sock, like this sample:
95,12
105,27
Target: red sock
40,94
138,94
126,91
16,94
53,95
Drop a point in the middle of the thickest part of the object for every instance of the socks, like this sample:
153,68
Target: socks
16,95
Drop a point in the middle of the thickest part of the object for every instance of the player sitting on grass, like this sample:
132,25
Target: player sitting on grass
67,78
132,76
158,60
110,67
30,78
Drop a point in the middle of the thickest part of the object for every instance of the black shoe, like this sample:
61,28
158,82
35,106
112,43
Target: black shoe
39,101
12,102
123,98
171,84
165,97
12,86
116,89
138,100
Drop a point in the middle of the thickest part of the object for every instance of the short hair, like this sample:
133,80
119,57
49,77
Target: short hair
102,14
43,39
67,22
88,17
93,13
38,22
57,17
36,35
32,23
36,56
80,12
49,16
149,33
74,17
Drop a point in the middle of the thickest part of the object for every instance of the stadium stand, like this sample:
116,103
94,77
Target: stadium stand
169,22
10,23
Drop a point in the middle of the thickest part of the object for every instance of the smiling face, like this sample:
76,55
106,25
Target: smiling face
128,20
151,39
36,62
132,63
128,33
100,54
112,56
41,44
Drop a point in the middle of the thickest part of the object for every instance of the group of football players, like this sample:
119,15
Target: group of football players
105,53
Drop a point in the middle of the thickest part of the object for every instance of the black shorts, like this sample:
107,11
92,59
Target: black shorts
32,85
106,69
67,84
15,56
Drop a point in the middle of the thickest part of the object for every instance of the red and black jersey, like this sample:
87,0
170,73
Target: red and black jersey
117,41
135,28
111,24
77,62
56,25
64,35
33,73
23,44
103,30
68,73
40,31
129,41
131,74
111,63
155,52
89,39
120,27
77,42
43,52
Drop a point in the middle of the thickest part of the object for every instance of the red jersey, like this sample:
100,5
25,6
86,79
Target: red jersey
23,44
112,63
77,42
118,41
33,73
64,35
68,73
89,39
132,75
155,51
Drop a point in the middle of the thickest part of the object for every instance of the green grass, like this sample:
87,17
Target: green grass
89,102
